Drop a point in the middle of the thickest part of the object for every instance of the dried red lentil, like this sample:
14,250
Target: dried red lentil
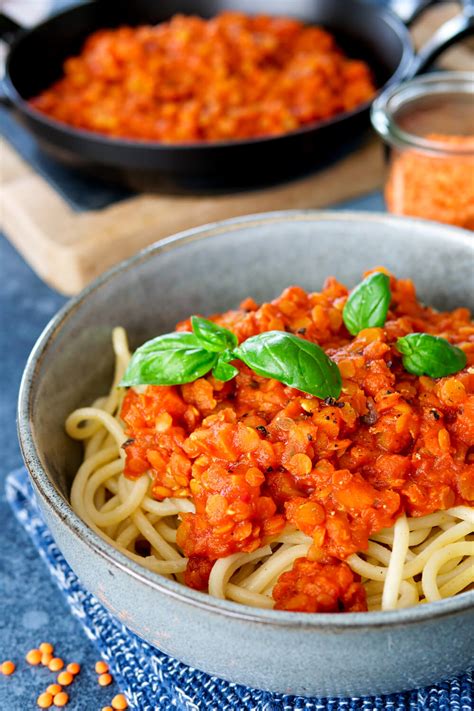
104,679
255,454
191,79
61,699
55,664
34,657
435,187
119,702
7,668
46,648
74,668
54,689
44,700
101,667
65,678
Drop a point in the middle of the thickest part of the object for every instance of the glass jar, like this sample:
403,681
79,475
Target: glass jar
428,125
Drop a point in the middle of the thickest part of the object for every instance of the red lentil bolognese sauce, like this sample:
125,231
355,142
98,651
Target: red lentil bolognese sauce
189,79
274,472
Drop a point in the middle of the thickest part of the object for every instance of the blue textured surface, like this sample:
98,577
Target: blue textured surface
154,682
32,608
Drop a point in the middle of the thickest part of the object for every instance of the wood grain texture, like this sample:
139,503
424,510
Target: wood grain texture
68,249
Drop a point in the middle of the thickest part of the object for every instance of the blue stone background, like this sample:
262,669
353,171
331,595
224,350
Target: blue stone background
31,608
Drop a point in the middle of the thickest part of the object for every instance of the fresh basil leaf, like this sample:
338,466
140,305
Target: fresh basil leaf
171,359
293,361
368,303
211,336
424,354
224,371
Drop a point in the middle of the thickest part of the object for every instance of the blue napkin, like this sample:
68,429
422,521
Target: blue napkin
153,681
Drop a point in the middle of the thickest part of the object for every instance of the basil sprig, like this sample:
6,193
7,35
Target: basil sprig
424,354
367,305
178,358
211,336
293,361
171,359
182,357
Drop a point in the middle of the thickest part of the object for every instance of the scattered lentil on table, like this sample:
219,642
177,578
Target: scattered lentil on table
55,695
33,657
46,648
104,679
8,668
101,667
56,664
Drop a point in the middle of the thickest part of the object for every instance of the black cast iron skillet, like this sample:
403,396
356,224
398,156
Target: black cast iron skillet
369,32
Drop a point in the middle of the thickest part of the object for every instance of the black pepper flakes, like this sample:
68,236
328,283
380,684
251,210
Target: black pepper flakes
435,414
329,401
301,330
127,443
310,437
263,430
372,416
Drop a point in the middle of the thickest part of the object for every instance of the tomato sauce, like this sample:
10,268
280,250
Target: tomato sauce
191,79
255,455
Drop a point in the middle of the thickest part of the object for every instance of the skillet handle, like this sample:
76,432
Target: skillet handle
409,10
9,29
452,31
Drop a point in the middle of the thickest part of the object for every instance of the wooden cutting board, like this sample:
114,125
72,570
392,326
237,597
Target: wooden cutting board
68,248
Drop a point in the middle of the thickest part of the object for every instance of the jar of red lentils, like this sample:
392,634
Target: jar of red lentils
428,125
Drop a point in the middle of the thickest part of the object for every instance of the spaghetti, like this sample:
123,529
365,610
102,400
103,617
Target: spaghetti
421,557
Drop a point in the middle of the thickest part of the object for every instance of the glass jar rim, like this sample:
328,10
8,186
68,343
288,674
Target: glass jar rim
386,105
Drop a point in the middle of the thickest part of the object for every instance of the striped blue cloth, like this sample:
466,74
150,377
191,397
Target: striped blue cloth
153,681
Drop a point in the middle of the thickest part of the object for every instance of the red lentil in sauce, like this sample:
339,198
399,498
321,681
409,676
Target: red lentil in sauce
255,455
190,79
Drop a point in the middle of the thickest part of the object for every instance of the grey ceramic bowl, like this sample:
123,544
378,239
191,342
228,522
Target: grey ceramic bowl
206,270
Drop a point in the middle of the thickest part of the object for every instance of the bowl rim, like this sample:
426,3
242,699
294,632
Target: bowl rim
61,507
